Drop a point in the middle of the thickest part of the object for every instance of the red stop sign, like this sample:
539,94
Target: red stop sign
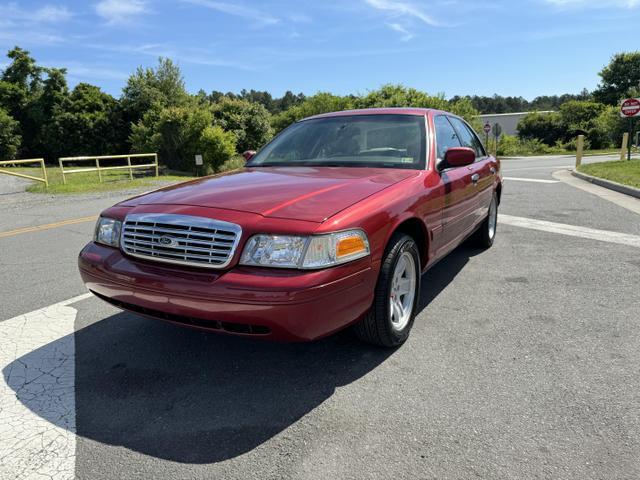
630,107
487,127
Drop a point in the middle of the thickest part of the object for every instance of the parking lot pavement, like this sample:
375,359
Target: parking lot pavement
524,362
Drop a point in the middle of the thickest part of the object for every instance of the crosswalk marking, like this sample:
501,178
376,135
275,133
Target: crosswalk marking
571,230
37,393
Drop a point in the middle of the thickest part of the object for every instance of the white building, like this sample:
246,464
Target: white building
508,121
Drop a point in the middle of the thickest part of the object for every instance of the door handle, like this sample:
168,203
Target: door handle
475,177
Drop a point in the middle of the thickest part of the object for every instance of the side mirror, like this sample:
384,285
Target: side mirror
459,157
249,154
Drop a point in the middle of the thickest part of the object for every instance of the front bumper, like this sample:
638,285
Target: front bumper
287,305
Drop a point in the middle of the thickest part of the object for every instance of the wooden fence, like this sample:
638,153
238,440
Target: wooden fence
98,168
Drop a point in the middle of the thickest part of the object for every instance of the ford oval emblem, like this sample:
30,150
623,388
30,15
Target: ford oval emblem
167,241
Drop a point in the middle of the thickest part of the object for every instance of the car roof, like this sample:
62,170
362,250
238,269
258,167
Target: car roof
379,111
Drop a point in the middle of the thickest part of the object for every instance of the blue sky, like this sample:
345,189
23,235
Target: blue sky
527,47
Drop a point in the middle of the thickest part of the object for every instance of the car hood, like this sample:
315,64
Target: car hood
301,193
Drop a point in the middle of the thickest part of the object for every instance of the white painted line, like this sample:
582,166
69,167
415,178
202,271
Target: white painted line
571,230
37,393
547,167
534,180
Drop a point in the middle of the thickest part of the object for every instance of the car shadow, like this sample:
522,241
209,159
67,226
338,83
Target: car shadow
196,397
190,396
443,273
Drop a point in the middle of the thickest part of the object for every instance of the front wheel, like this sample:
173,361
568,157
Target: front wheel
390,319
487,231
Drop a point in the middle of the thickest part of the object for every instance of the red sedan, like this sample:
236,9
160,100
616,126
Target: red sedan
330,225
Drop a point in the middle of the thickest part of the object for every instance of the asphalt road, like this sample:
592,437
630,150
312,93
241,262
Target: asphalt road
524,362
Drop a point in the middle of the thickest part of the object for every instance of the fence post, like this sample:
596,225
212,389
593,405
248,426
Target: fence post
625,142
44,174
155,155
98,167
579,149
130,169
64,179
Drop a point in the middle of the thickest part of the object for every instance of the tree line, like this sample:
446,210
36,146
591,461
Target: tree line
595,115
40,116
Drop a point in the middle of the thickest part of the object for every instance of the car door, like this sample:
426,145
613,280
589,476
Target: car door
460,202
482,171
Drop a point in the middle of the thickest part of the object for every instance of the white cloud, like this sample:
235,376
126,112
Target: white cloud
13,13
403,9
188,55
83,72
120,11
258,16
52,14
594,4
406,35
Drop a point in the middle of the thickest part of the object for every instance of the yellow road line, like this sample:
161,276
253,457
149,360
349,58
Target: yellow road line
48,226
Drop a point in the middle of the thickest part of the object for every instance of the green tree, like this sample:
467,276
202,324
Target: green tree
173,132
20,88
49,139
9,137
319,103
465,109
288,100
618,77
249,122
148,87
400,96
90,122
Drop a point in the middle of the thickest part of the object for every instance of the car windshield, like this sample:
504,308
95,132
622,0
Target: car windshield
391,141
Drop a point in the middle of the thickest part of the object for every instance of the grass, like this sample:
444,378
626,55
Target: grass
561,151
626,172
112,180
89,182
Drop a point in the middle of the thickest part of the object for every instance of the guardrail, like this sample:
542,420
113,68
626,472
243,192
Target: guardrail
129,166
22,175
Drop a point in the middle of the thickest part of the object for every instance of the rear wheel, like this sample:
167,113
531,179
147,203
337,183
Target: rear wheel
487,231
391,317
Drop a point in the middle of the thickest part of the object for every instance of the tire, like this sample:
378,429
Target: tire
486,234
385,325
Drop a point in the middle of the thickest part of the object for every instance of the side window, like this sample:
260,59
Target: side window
467,137
446,136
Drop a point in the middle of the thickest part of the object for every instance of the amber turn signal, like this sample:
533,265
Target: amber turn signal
349,246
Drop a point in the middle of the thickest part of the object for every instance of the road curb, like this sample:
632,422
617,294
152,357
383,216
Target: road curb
617,187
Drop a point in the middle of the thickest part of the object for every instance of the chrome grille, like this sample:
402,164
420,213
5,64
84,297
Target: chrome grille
181,239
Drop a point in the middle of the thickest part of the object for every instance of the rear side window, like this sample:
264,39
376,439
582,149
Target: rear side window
467,137
446,136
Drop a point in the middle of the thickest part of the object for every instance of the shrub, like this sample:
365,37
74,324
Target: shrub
173,132
510,146
216,147
572,145
546,127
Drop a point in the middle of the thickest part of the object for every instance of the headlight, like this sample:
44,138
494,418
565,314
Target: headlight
317,251
108,232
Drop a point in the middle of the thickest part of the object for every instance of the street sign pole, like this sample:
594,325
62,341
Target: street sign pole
630,137
497,131
630,108
487,129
